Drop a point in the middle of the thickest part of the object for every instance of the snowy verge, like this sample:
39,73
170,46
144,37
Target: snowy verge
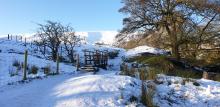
180,92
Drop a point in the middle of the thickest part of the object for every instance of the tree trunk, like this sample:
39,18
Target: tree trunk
54,56
175,51
58,61
174,42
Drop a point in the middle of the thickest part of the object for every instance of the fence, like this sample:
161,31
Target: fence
96,58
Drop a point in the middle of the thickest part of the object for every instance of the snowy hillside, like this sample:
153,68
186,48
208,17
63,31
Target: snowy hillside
73,88
106,37
12,51
91,37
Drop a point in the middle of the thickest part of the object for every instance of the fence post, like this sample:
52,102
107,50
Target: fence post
25,41
44,49
25,65
57,70
77,62
16,37
11,37
8,36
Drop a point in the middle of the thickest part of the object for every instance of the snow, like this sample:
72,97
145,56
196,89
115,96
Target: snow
106,37
172,92
68,89
71,91
142,49
72,88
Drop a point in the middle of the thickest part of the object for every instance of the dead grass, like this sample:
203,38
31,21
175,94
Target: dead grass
147,95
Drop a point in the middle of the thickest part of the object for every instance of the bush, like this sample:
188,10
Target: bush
217,77
16,63
12,71
147,96
34,69
142,74
113,54
160,62
151,74
47,70
138,59
186,74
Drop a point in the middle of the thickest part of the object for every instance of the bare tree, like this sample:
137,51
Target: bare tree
70,41
179,20
49,35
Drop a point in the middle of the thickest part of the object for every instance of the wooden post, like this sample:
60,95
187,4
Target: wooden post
25,41
25,65
11,37
8,36
205,75
77,62
57,70
44,49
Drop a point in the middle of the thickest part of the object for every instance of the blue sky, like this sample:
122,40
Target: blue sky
21,16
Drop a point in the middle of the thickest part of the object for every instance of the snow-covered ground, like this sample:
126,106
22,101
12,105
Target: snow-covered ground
12,51
179,92
69,89
142,49
82,90
106,88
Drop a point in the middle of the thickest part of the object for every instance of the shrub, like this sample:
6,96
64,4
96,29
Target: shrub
12,71
138,59
160,62
186,74
47,70
34,69
217,77
113,54
124,69
142,74
147,96
151,74
16,63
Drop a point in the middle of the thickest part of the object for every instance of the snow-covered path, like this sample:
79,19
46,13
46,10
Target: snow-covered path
69,91
34,94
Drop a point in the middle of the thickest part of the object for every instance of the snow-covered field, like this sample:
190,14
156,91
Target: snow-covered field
83,89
